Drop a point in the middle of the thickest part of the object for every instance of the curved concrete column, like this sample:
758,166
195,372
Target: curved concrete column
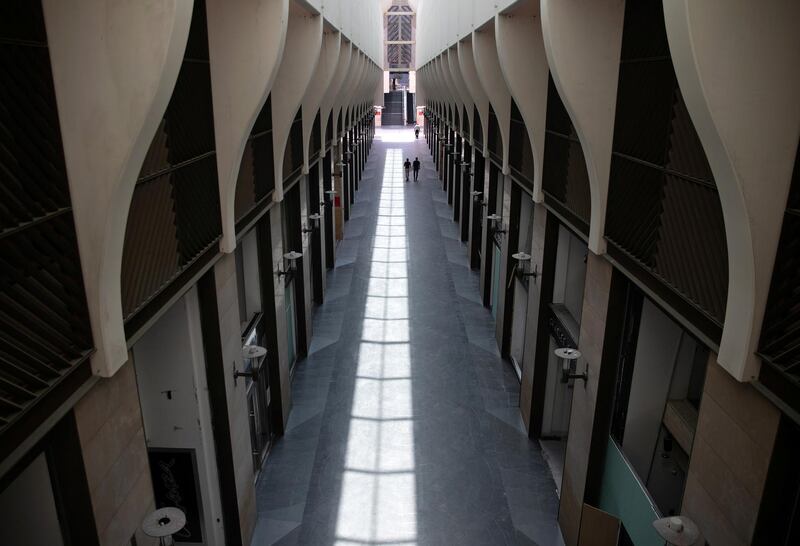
347,116
466,60
245,45
132,53
445,93
342,98
358,100
454,97
461,88
331,94
326,69
300,57
422,91
742,96
488,67
377,91
582,41
520,48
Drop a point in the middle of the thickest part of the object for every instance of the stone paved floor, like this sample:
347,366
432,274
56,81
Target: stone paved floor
405,427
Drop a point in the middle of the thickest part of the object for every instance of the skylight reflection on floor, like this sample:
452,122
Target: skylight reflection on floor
378,497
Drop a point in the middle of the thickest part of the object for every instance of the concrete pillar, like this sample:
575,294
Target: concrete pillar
132,53
520,49
300,57
582,41
742,96
596,297
245,45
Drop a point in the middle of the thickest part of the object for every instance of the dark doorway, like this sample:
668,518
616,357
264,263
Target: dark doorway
327,209
314,207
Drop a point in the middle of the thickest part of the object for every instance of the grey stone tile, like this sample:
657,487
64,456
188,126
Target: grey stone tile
405,426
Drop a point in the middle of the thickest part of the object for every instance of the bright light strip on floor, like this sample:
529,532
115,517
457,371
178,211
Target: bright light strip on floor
378,503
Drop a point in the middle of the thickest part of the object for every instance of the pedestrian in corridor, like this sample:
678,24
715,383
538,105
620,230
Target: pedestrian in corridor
416,169
407,167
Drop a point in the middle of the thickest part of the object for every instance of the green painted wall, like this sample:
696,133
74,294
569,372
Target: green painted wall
622,496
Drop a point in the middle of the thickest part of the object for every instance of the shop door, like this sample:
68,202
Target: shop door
291,325
259,398
495,280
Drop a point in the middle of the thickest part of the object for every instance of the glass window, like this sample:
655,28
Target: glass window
659,386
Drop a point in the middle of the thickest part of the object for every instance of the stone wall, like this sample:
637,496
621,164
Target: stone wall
238,416
111,432
584,397
733,443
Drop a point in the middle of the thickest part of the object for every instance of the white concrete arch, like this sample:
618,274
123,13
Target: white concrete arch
452,91
582,41
362,89
377,91
446,93
742,96
326,69
520,48
245,43
422,91
132,53
344,93
347,116
353,97
331,94
466,60
368,88
300,57
487,64
461,89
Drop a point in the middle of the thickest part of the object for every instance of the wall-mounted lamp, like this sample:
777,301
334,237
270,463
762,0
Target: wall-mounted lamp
291,259
523,263
569,357
677,530
163,523
314,225
476,196
249,352
493,219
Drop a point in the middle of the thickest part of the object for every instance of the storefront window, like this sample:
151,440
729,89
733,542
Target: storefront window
659,386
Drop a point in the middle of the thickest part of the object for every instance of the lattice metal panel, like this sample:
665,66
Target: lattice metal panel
780,336
293,154
256,172
44,322
565,179
520,153
316,135
399,55
495,138
175,213
663,207
399,27
478,130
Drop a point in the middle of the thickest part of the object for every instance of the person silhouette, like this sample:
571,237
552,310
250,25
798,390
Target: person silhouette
416,165
407,167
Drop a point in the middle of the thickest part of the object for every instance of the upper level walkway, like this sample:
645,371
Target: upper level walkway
405,427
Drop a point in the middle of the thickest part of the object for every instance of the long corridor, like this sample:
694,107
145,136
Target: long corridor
404,427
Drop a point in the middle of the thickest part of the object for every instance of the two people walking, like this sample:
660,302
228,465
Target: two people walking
408,166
